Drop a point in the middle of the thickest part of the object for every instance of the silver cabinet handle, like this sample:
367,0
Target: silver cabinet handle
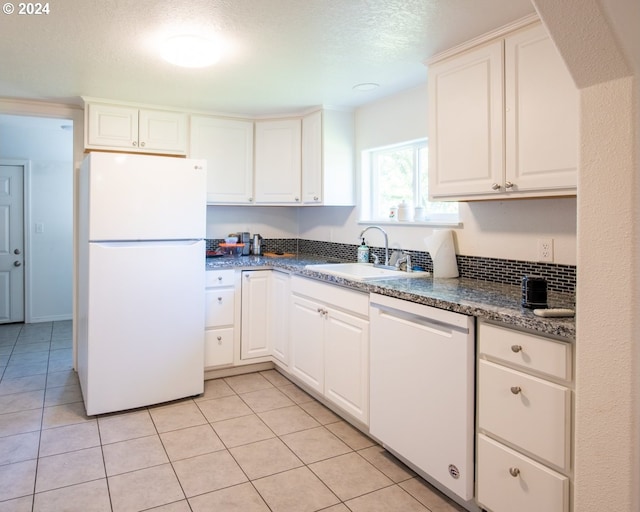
508,184
17,264
514,472
315,198
219,278
251,199
516,389
16,251
135,143
142,144
516,348
220,300
219,340
297,199
496,186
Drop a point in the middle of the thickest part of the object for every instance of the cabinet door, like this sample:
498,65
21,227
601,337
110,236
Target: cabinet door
256,321
531,413
508,481
227,146
465,123
307,342
218,347
219,304
278,165
112,126
541,114
280,298
312,158
162,131
347,363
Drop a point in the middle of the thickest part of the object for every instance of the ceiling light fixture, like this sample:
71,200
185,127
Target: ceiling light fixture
190,51
367,86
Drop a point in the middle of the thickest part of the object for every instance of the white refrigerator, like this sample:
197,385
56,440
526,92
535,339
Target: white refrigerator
140,278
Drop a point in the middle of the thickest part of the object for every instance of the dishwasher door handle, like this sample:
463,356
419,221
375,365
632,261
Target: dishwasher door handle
422,320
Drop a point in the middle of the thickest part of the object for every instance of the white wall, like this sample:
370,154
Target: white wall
269,221
49,183
499,229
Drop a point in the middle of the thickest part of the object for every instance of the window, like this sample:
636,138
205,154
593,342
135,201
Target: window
395,173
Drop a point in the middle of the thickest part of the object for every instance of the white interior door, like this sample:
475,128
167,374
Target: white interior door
11,243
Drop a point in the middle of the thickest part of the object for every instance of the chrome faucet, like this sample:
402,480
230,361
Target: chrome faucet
405,258
386,241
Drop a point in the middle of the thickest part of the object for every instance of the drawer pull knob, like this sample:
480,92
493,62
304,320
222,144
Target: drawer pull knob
219,299
514,472
219,278
516,348
219,340
516,389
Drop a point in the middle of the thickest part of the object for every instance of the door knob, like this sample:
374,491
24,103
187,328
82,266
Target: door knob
16,263
16,251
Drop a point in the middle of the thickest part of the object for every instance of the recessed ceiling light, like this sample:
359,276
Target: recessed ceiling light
367,86
190,51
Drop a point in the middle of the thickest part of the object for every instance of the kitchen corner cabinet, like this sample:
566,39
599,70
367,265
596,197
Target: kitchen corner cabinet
503,121
265,326
227,146
330,344
220,316
120,127
278,161
328,158
524,421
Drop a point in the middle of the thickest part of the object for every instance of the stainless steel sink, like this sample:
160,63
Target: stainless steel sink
363,271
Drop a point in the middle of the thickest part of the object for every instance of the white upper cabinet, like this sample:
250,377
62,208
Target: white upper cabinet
227,146
541,116
503,121
328,158
278,161
465,123
122,127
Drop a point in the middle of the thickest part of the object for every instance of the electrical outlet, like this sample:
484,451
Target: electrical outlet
545,249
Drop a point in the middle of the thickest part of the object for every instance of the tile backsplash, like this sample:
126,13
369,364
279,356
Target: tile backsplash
560,278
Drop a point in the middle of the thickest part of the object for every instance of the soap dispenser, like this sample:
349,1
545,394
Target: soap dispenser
363,253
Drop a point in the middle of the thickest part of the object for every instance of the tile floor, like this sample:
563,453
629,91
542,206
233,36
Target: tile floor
250,443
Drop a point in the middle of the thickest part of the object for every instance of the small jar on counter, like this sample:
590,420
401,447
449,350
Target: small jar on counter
405,212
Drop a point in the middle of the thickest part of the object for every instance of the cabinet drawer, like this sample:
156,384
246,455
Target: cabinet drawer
529,412
219,306
337,296
535,488
218,346
217,278
526,350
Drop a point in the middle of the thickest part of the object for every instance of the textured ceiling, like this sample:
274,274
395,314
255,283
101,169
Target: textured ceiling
283,55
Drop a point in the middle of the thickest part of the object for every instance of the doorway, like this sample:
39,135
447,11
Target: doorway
11,241
40,281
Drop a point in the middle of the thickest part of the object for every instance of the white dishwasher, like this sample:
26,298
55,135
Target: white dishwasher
422,390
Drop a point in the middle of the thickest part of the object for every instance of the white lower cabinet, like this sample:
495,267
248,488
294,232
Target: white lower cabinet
524,421
220,316
280,296
265,326
330,344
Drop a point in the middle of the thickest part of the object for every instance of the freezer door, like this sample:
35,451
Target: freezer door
142,341
142,197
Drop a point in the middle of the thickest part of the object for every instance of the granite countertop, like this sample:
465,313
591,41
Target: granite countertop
482,299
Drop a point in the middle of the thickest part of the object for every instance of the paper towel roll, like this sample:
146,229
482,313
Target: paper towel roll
440,247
